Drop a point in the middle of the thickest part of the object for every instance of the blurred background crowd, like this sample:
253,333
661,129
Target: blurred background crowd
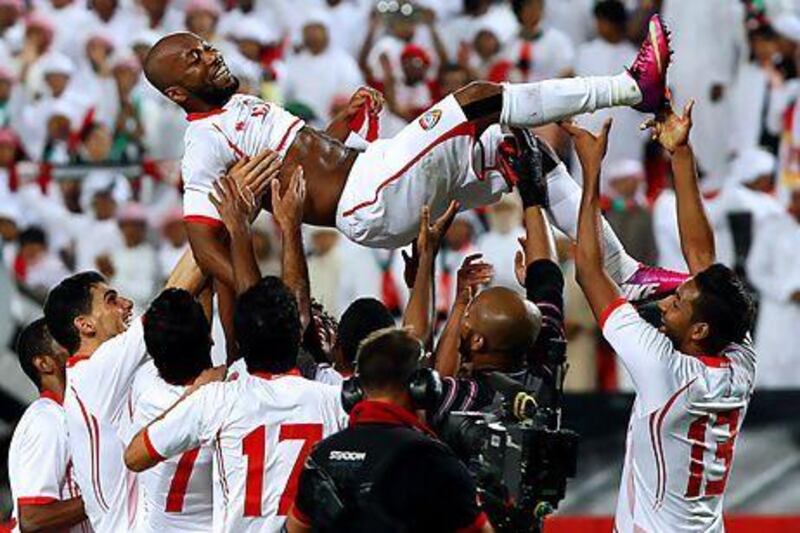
89,151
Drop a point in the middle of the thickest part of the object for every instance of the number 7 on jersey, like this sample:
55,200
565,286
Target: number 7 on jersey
254,448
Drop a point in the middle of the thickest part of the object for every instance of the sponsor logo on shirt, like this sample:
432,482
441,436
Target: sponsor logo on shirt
430,119
337,455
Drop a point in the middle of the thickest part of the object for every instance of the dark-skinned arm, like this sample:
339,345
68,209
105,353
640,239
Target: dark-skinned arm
54,516
590,273
472,274
236,213
417,315
288,212
211,243
697,238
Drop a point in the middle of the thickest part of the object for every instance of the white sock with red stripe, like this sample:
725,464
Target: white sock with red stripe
534,104
565,203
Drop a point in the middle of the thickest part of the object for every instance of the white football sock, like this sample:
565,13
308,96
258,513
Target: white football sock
565,204
534,104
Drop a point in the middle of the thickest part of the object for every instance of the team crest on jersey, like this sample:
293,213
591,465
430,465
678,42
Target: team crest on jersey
430,119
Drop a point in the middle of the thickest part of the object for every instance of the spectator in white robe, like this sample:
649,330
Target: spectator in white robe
348,24
708,39
113,18
371,272
68,18
173,244
752,90
572,17
320,72
134,266
55,95
773,270
158,16
94,77
326,266
538,52
603,56
500,244
12,28
229,20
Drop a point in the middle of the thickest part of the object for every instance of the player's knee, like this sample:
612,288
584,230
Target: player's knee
480,100
477,90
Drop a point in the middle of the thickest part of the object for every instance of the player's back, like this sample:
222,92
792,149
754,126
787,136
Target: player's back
270,426
679,455
176,494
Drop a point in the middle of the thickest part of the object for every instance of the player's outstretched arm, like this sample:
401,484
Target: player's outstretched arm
288,212
598,287
472,274
236,210
53,516
177,427
339,127
697,238
186,275
418,311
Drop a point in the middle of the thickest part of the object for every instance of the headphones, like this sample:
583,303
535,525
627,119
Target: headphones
424,386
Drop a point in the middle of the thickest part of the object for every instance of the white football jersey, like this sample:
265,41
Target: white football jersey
214,141
98,412
39,462
262,427
682,432
176,495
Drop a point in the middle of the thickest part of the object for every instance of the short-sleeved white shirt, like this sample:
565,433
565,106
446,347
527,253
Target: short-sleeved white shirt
176,495
262,428
39,462
682,431
98,411
214,141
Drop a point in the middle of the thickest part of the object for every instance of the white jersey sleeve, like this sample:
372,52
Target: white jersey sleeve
204,161
656,368
38,455
193,422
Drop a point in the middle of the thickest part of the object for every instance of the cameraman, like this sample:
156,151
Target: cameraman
386,471
498,331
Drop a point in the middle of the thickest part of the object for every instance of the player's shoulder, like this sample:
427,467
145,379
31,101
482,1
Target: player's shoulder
43,416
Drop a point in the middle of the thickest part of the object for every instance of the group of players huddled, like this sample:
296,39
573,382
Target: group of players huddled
135,430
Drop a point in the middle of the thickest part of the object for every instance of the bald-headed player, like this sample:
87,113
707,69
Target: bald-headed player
373,196
499,330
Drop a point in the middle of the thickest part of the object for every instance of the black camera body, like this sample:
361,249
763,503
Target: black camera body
518,452
521,467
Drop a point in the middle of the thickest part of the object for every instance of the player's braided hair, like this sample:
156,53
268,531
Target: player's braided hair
725,305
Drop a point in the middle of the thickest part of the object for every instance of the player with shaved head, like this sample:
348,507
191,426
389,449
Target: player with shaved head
371,192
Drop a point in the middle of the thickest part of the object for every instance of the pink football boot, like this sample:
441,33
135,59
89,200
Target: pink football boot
649,69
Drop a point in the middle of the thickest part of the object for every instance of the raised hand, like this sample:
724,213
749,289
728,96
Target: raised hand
428,239
591,148
473,273
253,175
288,208
669,129
237,210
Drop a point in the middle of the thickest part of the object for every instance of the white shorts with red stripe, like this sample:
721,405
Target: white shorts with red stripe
435,159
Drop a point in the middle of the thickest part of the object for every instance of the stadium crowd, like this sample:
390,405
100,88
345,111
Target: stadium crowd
90,181
89,148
